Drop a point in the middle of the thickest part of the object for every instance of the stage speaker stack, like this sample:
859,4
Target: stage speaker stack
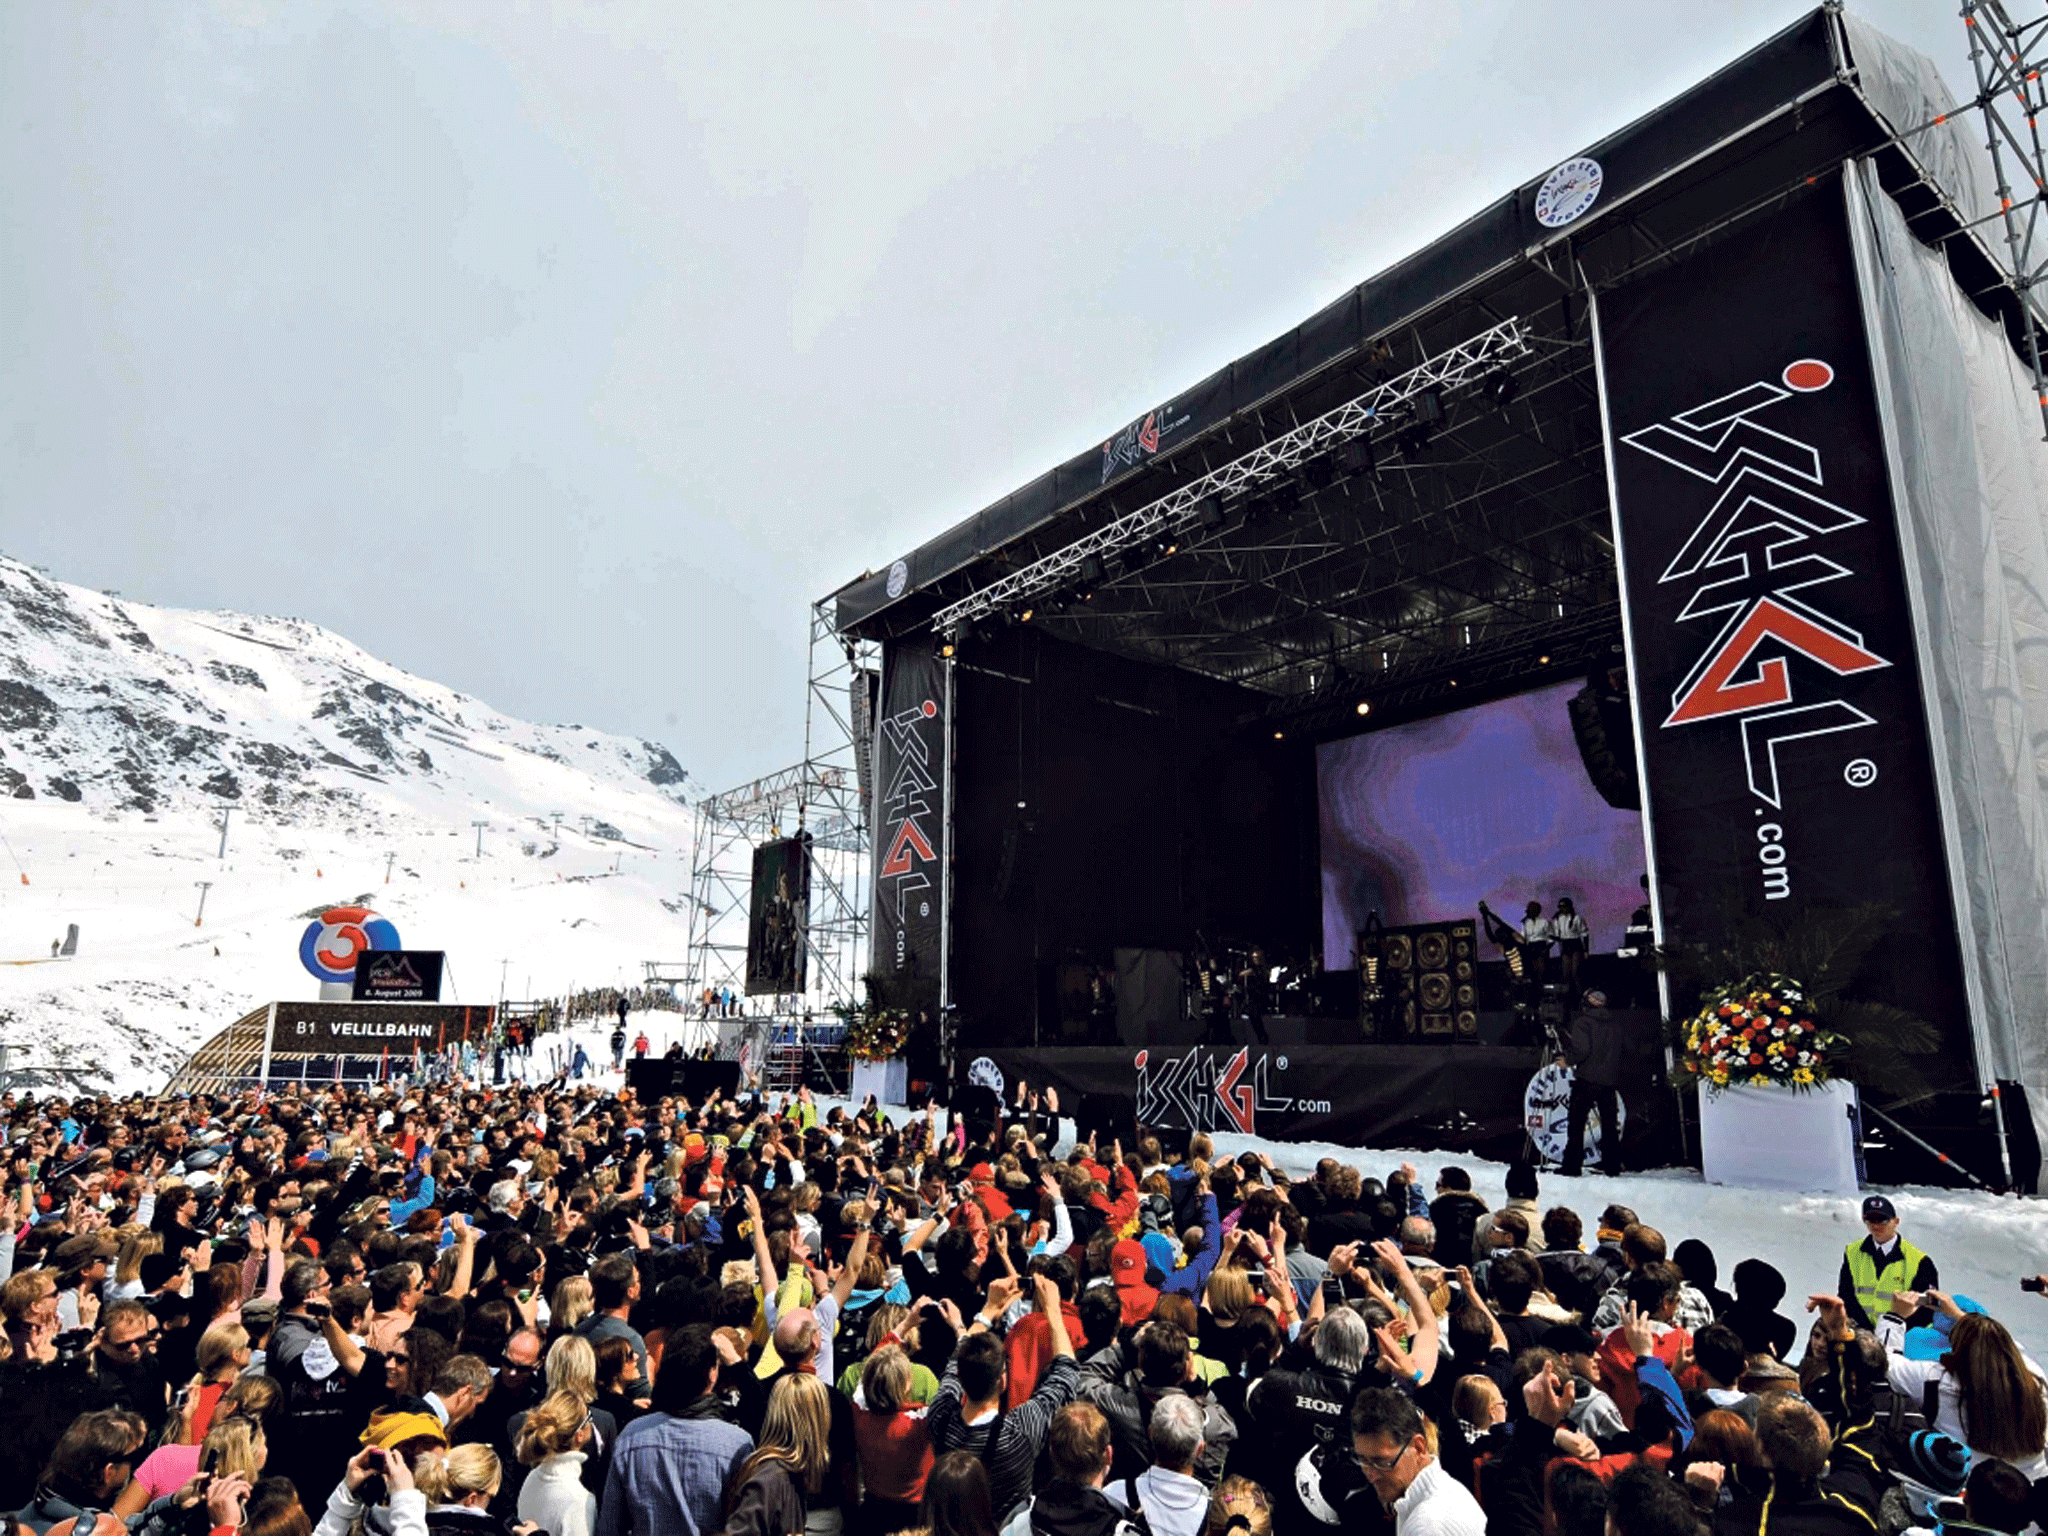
1429,976
1465,980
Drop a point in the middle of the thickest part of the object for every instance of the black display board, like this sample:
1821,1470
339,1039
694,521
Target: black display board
910,832
368,1029
399,976
1770,634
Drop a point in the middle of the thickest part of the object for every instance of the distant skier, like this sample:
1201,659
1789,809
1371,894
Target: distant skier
619,1045
580,1064
641,1046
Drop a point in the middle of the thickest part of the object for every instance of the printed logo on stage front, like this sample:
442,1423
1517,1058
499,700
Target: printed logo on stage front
1194,1093
909,814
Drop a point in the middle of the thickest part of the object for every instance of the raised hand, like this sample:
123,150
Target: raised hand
1548,1398
1635,1326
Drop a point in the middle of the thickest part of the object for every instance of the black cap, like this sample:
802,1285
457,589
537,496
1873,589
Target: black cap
1877,1208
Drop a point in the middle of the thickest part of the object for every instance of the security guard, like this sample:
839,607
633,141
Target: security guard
1882,1263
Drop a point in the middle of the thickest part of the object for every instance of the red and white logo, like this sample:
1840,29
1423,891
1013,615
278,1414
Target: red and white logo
1751,562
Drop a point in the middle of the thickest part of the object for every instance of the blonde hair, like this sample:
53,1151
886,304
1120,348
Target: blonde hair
238,1448
572,1367
551,1428
796,1432
217,1347
1236,1496
885,1380
571,1303
1229,1295
448,1476
135,1247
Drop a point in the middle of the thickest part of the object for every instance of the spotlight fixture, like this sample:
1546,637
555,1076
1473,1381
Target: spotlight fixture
1091,573
1356,457
1279,735
1024,614
1166,544
947,647
1429,406
1502,387
1542,661
1365,706
1209,511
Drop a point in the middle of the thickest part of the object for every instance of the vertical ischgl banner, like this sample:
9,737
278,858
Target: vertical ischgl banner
910,832
1772,659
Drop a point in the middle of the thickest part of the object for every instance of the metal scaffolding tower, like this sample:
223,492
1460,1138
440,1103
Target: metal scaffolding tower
824,796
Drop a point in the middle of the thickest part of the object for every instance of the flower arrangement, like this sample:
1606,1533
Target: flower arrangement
877,1034
1759,1032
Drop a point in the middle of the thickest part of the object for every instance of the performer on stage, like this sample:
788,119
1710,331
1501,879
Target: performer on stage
1536,937
1569,929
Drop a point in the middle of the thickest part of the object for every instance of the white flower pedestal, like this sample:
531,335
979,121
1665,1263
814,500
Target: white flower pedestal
1774,1138
888,1080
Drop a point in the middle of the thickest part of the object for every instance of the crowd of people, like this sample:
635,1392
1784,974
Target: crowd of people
455,1310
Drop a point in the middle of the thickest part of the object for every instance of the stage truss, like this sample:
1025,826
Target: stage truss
825,796
2008,59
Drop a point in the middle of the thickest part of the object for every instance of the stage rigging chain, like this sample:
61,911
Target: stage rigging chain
1178,511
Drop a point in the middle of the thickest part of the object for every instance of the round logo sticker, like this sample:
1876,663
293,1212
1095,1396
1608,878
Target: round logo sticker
899,578
1568,192
984,1073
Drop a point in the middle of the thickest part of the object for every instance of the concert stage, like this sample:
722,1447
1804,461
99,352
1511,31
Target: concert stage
1675,516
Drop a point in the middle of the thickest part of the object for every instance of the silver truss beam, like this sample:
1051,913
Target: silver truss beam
1179,511
2008,61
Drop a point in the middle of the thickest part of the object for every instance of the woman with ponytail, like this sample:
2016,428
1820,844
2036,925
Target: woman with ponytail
551,1441
219,1360
459,1483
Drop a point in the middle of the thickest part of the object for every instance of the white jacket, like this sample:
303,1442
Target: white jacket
553,1497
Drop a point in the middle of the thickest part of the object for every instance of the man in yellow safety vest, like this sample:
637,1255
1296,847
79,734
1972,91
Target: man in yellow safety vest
1880,1264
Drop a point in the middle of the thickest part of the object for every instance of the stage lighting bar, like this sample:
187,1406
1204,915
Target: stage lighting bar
1194,507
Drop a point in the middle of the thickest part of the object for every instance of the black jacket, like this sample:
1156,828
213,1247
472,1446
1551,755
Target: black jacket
1598,1049
1070,1509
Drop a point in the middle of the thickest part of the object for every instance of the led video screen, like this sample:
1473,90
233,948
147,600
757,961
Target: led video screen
1421,822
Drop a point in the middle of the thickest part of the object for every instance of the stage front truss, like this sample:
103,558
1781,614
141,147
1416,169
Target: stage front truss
824,796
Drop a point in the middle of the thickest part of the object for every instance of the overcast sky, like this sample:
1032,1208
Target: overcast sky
564,354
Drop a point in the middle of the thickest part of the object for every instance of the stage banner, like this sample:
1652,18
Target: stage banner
1771,644
1354,1095
778,913
910,832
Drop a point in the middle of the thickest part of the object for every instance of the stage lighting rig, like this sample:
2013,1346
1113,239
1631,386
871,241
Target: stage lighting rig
1428,406
1267,469
1501,388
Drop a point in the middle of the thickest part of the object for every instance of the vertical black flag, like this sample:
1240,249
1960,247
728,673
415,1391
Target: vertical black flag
909,824
1772,644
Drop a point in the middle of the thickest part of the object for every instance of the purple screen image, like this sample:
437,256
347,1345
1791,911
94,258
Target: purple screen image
1422,822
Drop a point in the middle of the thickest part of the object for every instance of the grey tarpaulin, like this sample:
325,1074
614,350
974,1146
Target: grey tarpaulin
1970,476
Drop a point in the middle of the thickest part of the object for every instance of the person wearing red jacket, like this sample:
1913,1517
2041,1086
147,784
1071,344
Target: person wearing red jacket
1029,1345
1652,1303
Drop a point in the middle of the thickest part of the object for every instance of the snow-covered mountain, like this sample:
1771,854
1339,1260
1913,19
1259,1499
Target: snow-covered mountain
126,731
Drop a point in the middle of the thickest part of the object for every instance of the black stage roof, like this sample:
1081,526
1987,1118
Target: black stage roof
1481,545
